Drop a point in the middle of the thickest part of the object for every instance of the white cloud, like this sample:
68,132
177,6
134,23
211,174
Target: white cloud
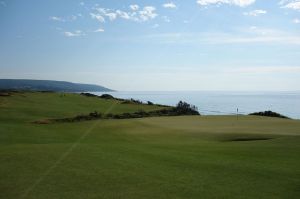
102,10
134,7
296,20
169,5
283,2
98,17
99,30
255,13
123,15
294,4
147,13
77,33
54,18
136,14
112,16
241,3
81,3
64,19
291,4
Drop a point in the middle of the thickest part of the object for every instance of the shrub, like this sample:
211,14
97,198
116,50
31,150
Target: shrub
107,96
185,108
269,114
150,103
95,114
88,95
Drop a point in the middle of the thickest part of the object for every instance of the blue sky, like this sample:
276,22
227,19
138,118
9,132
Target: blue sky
154,45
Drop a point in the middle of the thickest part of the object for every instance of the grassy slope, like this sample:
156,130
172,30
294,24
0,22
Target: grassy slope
178,157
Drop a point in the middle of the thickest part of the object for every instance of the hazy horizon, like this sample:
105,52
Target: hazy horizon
114,90
159,45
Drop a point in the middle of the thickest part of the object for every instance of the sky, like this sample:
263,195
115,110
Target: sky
154,45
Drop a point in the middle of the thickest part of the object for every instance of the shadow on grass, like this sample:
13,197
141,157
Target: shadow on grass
247,139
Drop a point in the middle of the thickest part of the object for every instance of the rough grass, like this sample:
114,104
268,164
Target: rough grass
166,157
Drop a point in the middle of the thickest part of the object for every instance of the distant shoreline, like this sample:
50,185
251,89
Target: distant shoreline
222,102
49,85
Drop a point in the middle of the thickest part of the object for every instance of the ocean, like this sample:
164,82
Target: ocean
222,103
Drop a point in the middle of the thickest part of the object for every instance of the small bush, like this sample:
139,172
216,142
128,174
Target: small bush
150,103
184,108
89,95
269,114
107,96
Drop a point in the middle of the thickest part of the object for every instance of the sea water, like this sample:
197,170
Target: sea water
220,102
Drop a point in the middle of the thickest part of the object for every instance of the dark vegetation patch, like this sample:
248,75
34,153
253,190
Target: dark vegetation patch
269,114
107,96
5,94
132,101
10,92
123,101
181,109
150,103
43,122
249,139
89,95
47,91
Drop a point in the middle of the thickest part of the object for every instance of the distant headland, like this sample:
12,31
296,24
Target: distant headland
49,85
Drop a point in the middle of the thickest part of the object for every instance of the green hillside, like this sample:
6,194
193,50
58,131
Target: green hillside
158,157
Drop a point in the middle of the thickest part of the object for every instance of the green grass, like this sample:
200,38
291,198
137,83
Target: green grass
165,157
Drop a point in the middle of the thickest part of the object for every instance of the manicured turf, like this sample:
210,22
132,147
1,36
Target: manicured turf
166,157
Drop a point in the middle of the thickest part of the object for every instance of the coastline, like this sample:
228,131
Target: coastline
222,102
